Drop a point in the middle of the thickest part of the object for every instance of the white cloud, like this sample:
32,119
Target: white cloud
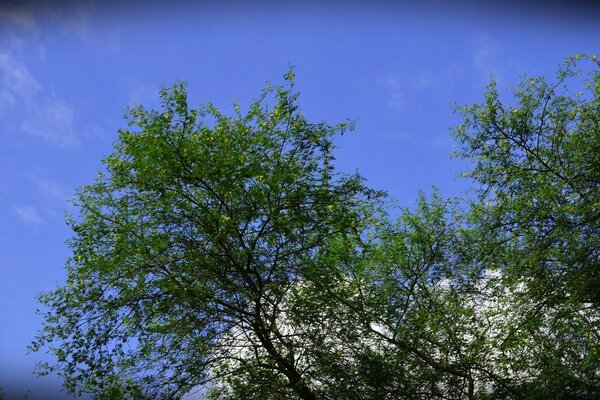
29,215
42,114
16,80
52,121
46,116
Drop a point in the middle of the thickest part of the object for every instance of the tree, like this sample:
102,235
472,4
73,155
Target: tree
536,162
189,243
492,301
538,166
228,252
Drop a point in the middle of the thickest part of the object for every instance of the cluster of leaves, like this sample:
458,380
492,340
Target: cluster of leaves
227,253
539,165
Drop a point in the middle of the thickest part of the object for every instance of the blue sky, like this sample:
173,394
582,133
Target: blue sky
68,72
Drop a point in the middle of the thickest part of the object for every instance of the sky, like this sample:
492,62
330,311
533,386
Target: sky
69,70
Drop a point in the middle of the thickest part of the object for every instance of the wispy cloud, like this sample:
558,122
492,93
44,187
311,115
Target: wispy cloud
56,197
49,199
396,97
402,85
53,189
46,116
42,113
29,215
424,79
443,141
400,136
17,81
52,120
143,94
486,55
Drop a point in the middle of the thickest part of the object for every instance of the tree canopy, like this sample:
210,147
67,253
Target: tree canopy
227,252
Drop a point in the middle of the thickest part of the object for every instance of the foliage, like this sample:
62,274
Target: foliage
191,240
537,163
227,252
